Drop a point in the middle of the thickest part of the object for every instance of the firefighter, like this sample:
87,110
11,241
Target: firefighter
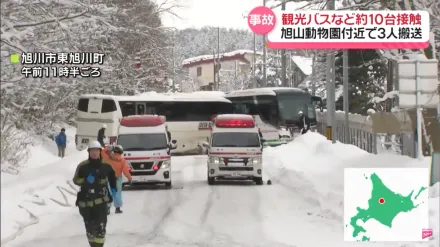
93,176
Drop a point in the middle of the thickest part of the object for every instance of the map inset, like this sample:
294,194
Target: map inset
385,204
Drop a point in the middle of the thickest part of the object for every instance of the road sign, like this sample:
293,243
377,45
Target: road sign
418,76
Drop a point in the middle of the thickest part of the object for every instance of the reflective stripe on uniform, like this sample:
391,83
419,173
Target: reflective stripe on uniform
83,204
98,240
78,180
91,239
103,181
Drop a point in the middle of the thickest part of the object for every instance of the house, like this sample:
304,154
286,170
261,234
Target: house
301,68
201,68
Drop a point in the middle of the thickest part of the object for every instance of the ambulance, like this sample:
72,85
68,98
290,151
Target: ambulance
147,148
235,149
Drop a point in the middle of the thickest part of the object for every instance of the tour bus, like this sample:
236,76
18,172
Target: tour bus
188,116
275,109
147,148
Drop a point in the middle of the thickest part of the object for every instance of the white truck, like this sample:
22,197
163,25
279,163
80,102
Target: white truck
147,148
235,149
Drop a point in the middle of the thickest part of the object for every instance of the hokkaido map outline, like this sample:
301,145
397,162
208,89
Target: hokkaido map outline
385,204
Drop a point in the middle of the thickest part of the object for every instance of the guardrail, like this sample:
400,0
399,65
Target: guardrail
385,132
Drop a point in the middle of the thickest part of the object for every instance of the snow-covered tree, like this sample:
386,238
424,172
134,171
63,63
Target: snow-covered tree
121,30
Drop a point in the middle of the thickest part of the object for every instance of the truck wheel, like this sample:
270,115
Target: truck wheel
211,180
259,181
168,185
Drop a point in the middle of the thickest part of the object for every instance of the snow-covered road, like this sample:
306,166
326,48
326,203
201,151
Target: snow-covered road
302,208
227,214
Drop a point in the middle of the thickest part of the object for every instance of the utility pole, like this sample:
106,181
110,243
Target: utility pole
254,60
313,74
283,57
345,95
330,81
218,63
214,85
174,64
264,57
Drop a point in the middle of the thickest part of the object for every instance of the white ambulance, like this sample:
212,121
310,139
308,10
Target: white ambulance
235,149
147,148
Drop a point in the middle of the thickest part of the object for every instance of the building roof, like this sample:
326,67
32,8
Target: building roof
305,64
229,56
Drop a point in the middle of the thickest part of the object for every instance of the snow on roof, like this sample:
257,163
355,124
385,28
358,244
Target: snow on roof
222,55
305,64
98,96
260,91
199,97
212,93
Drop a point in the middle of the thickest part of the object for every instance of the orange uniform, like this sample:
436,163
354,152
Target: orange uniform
117,162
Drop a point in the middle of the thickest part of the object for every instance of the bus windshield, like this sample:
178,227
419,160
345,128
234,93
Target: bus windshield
290,104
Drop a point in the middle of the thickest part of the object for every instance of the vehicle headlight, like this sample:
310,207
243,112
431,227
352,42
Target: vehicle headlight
166,164
216,160
254,160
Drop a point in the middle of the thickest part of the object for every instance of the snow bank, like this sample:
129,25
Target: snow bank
314,167
42,187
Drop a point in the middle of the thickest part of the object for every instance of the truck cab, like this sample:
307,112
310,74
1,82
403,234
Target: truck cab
147,148
235,149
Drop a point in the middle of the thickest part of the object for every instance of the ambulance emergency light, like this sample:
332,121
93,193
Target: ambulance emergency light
234,123
142,121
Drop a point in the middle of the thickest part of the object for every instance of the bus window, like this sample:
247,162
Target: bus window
267,107
108,105
127,108
83,105
192,111
140,108
244,105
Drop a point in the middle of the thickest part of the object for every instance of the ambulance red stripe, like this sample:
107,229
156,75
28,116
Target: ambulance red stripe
221,153
147,158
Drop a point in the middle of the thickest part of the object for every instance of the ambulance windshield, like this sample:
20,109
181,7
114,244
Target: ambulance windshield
234,139
143,142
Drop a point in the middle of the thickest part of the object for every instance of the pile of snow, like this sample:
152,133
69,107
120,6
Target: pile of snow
314,167
42,187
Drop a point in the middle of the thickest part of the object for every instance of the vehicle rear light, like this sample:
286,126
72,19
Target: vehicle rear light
155,167
235,123
113,139
143,121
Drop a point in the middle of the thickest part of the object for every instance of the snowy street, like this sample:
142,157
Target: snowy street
227,214
302,207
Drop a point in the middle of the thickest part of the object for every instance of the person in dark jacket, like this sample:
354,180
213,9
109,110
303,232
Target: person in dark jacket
304,123
101,135
61,141
94,176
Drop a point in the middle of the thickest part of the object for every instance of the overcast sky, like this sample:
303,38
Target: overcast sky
223,13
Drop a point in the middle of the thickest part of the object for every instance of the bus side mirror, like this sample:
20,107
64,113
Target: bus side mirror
262,141
173,141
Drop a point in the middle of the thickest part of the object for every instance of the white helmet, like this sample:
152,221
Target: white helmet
104,126
94,145
300,113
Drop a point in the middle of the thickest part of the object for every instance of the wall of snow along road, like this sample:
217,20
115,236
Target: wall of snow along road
313,168
42,187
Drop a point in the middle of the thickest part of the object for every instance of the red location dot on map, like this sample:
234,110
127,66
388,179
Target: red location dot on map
381,201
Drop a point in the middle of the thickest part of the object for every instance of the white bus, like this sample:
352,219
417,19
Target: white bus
188,116
275,109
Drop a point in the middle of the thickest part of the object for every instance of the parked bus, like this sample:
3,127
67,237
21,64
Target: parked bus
275,109
188,116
